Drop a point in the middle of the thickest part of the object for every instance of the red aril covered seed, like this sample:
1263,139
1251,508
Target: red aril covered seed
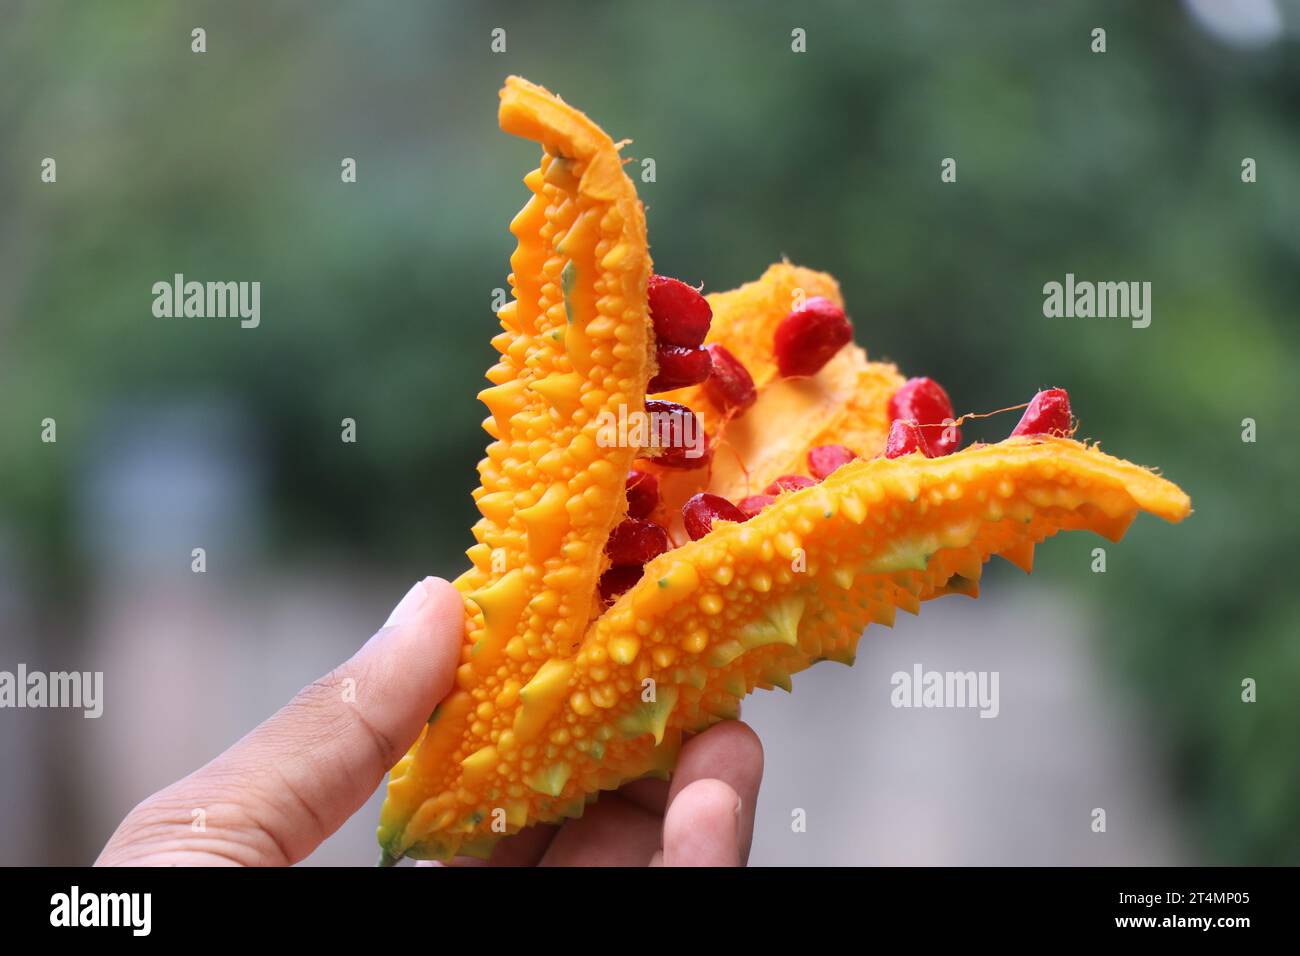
642,493
681,458
788,483
680,314
676,432
679,367
1048,414
730,387
904,438
636,541
809,336
616,580
824,459
699,513
924,401
753,504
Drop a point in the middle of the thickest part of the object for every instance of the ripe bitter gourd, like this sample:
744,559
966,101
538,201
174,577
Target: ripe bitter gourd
559,697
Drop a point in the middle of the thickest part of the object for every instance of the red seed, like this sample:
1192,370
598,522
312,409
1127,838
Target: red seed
808,337
730,387
680,314
1048,414
679,458
703,509
904,438
679,367
824,459
677,433
636,541
924,401
788,483
642,493
753,504
616,580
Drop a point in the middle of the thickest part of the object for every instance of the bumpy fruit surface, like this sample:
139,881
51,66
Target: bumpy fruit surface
549,707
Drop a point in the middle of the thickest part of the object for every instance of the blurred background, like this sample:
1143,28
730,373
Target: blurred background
1119,690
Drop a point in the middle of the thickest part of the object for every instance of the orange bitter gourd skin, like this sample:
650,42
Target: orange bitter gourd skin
557,700
574,346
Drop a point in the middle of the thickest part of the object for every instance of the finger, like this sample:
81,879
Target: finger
702,827
613,832
730,752
300,774
648,794
326,751
524,848
529,846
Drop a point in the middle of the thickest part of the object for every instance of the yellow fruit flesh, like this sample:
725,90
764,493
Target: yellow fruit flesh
745,319
846,403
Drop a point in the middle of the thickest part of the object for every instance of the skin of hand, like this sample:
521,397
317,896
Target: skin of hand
276,794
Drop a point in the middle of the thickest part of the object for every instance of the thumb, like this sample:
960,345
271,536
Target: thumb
299,775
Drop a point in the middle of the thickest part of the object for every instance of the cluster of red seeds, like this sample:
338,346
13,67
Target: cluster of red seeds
804,342
920,405
681,318
921,417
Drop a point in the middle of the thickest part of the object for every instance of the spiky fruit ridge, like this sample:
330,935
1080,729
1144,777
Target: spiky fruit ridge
556,700
575,346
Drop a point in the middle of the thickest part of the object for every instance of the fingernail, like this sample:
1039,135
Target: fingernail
406,607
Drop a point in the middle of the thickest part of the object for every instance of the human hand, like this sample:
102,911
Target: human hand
274,796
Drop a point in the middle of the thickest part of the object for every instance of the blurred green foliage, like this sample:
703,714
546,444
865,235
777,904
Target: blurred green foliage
1119,166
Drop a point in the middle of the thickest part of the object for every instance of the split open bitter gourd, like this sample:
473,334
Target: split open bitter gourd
562,693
